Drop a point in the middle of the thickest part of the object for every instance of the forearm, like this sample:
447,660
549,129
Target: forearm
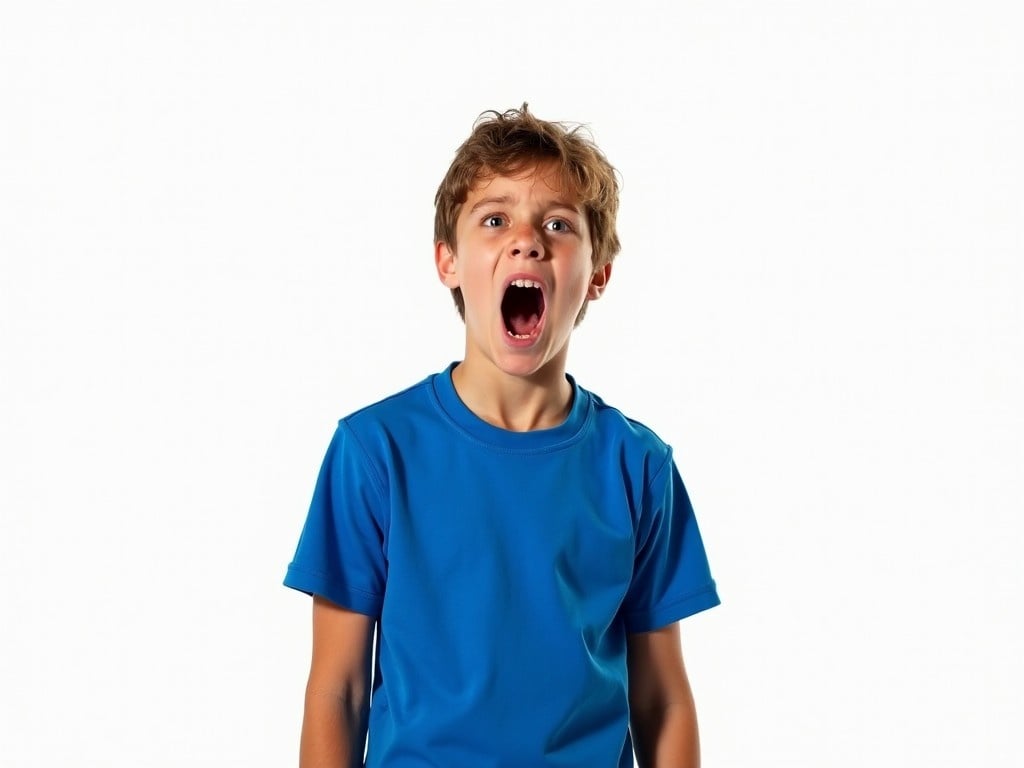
667,738
333,730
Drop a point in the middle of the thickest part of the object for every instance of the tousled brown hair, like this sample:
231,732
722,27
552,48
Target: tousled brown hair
505,143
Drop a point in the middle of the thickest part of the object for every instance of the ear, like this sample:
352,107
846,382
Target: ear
598,281
444,259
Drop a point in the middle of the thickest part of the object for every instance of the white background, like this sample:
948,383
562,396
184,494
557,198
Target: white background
215,231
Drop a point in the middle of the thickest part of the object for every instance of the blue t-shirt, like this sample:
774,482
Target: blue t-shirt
506,569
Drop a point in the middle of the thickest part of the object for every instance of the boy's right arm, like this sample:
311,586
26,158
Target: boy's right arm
338,692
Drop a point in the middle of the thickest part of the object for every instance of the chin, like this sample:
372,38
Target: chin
525,362
519,365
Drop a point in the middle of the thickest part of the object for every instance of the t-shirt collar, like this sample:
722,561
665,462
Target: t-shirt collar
566,433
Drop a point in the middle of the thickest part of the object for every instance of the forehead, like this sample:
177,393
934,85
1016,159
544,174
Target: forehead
544,181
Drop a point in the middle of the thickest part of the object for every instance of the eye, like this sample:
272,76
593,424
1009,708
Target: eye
494,220
558,225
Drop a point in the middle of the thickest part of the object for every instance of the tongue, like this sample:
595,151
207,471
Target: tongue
523,324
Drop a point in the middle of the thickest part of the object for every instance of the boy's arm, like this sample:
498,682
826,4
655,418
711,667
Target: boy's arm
338,692
663,718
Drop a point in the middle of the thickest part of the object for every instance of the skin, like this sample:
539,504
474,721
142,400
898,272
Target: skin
521,225
512,226
337,702
663,718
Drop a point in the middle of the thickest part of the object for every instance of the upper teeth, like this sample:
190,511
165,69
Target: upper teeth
520,283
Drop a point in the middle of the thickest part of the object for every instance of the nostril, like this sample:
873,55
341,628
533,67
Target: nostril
532,253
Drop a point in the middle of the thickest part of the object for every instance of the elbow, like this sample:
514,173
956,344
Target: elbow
349,700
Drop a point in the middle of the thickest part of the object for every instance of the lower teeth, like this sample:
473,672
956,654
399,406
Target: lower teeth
518,335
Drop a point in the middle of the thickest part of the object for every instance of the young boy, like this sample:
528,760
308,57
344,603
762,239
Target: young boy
524,549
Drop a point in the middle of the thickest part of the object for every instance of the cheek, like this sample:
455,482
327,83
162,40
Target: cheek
474,278
581,282
476,288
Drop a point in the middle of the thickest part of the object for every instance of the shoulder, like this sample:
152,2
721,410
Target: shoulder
394,420
392,406
613,424
366,441
629,439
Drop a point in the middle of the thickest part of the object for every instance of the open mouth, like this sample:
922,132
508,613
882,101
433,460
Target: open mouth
522,308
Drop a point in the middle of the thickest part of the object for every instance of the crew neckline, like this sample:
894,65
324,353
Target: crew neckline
551,438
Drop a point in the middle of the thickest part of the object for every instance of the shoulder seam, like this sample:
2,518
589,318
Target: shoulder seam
634,423
649,495
387,399
665,463
378,482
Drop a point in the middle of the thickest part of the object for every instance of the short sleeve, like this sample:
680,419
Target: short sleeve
671,576
341,554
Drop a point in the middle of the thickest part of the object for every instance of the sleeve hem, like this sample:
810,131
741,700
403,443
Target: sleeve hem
695,602
352,598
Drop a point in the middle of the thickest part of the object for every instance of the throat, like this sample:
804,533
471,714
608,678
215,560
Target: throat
522,310
513,403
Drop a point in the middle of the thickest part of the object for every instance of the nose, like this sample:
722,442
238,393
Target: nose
526,244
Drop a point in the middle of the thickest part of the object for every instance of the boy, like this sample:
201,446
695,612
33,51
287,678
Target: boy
524,549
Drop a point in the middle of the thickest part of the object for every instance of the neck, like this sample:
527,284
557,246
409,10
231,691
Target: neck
517,403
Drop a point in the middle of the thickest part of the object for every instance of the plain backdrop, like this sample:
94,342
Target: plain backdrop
215,240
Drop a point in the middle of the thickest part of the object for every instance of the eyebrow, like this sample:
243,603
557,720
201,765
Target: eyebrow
506,200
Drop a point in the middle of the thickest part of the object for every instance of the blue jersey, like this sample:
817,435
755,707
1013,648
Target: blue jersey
506,569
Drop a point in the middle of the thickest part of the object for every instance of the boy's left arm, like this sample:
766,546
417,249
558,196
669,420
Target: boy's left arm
663,718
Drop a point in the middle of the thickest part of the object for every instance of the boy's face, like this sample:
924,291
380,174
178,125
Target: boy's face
522,259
